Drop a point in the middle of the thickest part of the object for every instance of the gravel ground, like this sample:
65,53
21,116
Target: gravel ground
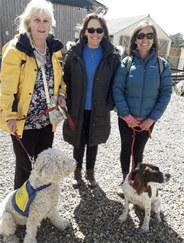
94,213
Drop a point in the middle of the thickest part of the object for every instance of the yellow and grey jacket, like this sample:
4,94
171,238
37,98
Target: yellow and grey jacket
18,75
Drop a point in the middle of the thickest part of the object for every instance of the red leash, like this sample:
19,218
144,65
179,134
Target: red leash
29,156
18,139
43,112
69,118
132,151
51,109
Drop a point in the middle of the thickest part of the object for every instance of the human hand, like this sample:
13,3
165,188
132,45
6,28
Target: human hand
133,123
12,125
61,100
146,124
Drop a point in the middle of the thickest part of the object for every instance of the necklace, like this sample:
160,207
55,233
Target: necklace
42,54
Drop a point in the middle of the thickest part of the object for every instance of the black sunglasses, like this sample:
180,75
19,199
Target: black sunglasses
98,30
141,36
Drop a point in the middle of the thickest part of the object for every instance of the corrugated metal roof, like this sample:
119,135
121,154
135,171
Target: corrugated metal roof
116,25
80,3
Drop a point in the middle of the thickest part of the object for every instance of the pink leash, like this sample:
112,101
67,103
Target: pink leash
132,152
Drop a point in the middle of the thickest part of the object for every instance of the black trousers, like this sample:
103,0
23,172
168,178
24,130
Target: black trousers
35,141
126,135
91,151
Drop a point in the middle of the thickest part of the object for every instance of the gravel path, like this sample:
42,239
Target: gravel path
94,213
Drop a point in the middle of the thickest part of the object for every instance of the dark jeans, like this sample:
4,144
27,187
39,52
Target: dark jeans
35,141
91,151
126,135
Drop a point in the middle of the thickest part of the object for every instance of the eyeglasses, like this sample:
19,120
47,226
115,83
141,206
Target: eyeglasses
141,36
98,30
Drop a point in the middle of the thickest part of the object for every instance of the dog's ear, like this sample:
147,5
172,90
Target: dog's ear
140,181
133,174
137,185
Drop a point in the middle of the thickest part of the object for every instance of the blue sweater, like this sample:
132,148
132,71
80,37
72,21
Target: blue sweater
91,57
142,93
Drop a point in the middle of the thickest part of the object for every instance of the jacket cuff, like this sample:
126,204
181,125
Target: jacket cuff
128,118
13,115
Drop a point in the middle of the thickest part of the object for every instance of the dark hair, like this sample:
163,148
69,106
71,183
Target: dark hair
94,16
132,45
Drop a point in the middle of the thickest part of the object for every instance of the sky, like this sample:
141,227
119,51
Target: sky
167,14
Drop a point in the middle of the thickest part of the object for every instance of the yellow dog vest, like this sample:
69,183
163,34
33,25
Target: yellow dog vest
23,197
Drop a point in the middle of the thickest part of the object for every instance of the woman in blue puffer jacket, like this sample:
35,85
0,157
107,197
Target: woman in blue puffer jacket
141,94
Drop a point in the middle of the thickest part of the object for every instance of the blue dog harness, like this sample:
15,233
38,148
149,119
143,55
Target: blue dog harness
24,196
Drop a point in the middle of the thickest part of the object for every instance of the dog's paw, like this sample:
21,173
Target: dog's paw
64,224
145,228
157,216
122,218
29,240
11,239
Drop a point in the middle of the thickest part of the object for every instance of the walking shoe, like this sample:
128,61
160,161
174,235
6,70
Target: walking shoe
91,178
77,178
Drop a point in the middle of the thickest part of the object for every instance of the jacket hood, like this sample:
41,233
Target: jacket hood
23,44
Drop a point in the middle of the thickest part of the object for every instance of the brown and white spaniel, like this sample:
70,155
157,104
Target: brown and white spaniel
144,192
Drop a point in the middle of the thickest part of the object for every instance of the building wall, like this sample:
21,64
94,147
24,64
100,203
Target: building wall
67,17
9,10
181,59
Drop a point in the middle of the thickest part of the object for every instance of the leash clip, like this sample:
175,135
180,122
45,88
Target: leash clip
28,155
31,158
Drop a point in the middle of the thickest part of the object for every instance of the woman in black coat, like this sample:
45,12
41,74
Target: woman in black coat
88,73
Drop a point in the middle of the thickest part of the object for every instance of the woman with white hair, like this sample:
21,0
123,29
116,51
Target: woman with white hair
23,96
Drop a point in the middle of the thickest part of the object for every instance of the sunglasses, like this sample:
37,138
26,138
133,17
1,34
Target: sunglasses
98,30
141,36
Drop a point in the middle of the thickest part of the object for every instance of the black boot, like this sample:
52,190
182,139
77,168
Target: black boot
77,178
91,178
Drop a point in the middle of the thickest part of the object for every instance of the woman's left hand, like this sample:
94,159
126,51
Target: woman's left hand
146,124
61,100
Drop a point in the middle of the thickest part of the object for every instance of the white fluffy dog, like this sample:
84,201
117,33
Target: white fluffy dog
50,168
179,88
